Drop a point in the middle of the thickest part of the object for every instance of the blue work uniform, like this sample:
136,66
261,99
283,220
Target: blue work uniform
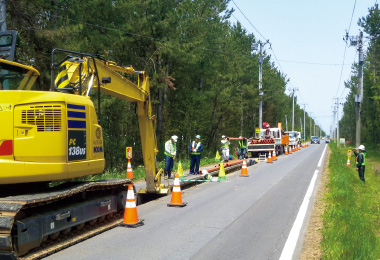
195,156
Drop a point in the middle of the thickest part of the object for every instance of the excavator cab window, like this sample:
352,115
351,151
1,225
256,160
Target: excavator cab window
13,77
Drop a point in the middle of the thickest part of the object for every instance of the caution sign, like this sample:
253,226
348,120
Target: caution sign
129,152
5,107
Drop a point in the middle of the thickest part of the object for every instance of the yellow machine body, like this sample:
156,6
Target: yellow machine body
48,136
54,135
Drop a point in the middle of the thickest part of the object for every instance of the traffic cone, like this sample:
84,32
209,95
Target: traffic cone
176,200
274,156
180,171
269,158
217,157
286,150
130,213
129,170
244,170
290,150
348,162
222,173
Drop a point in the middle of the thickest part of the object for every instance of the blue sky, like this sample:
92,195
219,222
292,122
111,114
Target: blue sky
307,40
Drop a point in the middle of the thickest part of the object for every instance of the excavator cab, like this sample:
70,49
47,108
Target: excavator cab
13,75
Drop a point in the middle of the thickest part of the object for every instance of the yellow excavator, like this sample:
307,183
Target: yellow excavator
55,135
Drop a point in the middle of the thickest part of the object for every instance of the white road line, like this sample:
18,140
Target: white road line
291,242
320,160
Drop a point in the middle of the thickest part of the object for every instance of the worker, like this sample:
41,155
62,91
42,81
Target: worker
170,153
225,148
196,147
243,147
360,164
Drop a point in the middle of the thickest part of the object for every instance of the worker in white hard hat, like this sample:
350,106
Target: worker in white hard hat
360,161
195,148
225,148
170,153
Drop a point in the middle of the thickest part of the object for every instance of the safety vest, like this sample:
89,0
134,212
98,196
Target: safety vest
242,144
225,145
172,149
196,148
364,154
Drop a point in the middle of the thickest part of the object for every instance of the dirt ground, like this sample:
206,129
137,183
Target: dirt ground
311,247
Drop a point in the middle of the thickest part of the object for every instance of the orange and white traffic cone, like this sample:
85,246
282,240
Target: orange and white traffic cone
286,150
130,213
269,158
274,156
176,200
348,162
290,150
129,170
244,170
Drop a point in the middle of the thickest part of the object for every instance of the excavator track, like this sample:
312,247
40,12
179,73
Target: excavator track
34,225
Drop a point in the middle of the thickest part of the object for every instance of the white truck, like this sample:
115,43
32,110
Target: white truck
267,140
294,138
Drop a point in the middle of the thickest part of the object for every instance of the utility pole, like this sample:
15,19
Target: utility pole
301,125
286,123
358,41
260,45
3,15
337,121
293,110
304,122
310,125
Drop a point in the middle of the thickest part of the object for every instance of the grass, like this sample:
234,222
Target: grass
352,218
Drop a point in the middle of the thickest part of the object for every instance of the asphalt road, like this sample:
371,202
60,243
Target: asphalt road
253,217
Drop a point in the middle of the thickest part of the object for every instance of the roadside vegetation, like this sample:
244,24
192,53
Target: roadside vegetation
351,227
139,171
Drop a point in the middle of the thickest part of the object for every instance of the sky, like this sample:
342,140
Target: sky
307,46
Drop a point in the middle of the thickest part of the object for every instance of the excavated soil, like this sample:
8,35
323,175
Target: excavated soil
312,243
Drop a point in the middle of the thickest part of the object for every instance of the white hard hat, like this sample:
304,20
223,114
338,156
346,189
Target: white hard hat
174,138
198,136
361,147
204,172
223,136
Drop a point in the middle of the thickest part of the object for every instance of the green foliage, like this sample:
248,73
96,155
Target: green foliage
370,109
351,220
203,72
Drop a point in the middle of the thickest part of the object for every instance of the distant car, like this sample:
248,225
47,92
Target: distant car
327,140
315,140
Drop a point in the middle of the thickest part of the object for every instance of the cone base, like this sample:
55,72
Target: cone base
244,175
177,205
137,224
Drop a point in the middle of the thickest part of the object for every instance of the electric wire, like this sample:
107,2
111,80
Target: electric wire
249,21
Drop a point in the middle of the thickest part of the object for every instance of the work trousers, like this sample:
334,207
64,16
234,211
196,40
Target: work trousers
243,153
194,161
361,170
168,165
225,154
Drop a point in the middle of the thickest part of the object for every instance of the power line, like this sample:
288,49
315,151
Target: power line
249,21
352,15
315,63
345,49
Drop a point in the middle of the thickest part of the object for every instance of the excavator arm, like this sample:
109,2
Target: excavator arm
85,72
